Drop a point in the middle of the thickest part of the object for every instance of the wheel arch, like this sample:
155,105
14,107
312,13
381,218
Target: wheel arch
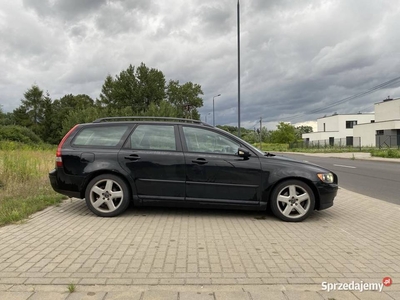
305,180
96,173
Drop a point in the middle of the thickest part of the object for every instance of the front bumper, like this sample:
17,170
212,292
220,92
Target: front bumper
327,193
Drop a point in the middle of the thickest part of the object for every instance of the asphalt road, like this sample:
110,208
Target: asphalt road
377,179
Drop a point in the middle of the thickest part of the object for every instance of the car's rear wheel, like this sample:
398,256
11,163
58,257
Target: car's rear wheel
292,201
107,195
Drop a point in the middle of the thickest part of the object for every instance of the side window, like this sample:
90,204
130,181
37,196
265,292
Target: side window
100,136
203,140
153,137
350,124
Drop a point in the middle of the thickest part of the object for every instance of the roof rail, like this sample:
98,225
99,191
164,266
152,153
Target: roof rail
149,119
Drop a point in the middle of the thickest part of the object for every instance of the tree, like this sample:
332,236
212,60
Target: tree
70,101
89,114
150,86
134,89
7,119
31,112
249,135
33,103
185,98
302,129
60,109
164,109
50,125
3,116
21,117
284,134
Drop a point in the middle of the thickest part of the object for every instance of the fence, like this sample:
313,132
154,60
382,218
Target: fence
388,141
348,142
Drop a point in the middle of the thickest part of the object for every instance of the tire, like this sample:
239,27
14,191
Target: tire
107,195
292,201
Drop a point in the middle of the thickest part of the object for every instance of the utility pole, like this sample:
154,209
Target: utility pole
238,45
261,133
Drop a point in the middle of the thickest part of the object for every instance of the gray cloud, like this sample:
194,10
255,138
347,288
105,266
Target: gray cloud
297,56
67,10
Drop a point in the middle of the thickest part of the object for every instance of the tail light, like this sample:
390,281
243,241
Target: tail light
59,162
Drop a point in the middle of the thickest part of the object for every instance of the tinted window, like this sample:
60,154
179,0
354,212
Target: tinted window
153,137
100,136
202,140
350,124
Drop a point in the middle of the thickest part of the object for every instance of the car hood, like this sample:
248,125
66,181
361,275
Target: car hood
284,160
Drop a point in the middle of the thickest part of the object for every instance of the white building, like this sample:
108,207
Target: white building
379,129
385,131
338,129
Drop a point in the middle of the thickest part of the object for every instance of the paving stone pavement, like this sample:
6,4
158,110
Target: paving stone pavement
168,253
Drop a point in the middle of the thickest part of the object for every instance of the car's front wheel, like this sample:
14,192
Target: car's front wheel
292,201
107,195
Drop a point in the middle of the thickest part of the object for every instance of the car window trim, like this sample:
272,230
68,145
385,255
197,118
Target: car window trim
185,147
117,146
178,146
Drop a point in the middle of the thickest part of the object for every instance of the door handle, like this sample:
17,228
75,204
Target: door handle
133,157
200,161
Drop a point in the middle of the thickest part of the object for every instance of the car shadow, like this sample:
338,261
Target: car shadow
79,207
196,212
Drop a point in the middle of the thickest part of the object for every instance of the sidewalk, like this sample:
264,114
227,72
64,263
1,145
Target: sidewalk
168,253
193,292
347,155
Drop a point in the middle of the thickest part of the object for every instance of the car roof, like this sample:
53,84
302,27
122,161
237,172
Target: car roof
155,120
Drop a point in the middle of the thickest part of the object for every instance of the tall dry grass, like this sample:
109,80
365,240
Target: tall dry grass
24,183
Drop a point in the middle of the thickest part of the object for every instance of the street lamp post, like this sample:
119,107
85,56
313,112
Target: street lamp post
238,46
214,109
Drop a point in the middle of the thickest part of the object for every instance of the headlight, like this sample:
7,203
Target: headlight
326,177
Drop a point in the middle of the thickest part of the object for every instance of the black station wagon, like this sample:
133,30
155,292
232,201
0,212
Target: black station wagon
113,162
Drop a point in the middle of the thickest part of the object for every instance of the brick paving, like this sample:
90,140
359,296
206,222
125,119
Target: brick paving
358,239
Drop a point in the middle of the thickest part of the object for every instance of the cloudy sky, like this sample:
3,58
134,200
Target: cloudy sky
297,57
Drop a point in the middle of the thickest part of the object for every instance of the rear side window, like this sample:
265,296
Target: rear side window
100,136
154,137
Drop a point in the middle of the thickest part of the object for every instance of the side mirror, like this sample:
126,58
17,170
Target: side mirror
243,153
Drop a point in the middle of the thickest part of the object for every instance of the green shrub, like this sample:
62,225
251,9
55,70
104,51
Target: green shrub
272,147
19,134
387,153
11,145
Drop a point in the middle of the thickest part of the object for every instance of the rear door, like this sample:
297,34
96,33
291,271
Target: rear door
154,158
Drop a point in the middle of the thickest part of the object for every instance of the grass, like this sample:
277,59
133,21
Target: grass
272,147
71,287
24,184
386,153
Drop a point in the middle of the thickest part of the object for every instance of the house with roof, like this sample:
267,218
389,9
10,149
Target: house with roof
338,129
385,130
378,129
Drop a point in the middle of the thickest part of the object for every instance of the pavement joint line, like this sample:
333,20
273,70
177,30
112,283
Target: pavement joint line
188,250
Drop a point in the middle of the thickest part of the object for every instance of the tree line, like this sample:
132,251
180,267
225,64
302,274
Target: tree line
140,91
285,133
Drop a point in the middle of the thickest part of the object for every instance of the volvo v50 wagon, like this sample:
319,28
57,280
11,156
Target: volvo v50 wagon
114,162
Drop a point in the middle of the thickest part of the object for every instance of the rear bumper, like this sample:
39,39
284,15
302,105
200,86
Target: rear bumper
327,194
61,183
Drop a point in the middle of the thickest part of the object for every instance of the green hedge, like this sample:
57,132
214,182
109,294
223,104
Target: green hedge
19,134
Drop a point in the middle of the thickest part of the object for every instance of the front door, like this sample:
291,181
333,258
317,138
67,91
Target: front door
215,173
155,161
